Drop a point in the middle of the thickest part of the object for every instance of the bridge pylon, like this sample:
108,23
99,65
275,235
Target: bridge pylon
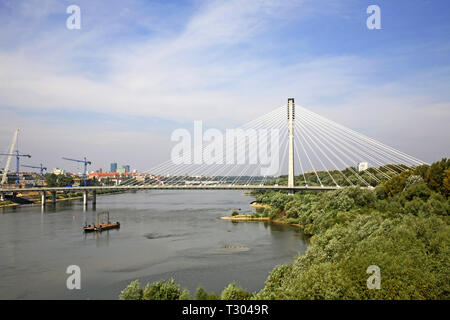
291,117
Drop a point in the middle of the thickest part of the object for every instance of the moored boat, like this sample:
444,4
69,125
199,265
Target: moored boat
102,226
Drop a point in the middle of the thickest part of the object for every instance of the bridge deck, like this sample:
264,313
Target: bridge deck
170,187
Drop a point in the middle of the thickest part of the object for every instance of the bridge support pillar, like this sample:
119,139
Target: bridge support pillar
291,116
94,197
85,198
54,197
43,198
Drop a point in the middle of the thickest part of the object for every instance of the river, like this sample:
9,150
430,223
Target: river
164,234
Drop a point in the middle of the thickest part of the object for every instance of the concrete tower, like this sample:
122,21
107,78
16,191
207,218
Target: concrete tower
291,116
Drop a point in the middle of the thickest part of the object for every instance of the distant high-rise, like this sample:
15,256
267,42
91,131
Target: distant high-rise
58,171
127,168
113,167
363,166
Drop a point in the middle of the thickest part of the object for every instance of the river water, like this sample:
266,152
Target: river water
164,234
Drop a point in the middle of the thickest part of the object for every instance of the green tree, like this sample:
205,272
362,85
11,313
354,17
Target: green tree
234,292
412,180
279,200
185,295
436,175
202,294
51,180
418,190
162,290
416,206
273,287
132,292
446,183
64,180
422,170
396,184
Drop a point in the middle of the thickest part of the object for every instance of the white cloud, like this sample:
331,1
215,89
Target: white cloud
199,71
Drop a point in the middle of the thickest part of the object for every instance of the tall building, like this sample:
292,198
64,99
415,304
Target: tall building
58,171
127,168
363,166
113,167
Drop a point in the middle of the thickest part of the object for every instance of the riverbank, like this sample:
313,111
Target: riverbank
8,205
250,217
257,205
245,217
261,207
400,228
37,200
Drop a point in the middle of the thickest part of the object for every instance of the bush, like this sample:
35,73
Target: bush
292,221
162,290
234,292
185,295
273,213
396,184
436,205
411,252
292,213
260,210
132,292
273,286
379,191
437,175
234,213
202,294
418,190
361,197
395,206
279,200
293,209
412,180
415,206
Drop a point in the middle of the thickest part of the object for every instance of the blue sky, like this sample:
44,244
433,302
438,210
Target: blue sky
136,70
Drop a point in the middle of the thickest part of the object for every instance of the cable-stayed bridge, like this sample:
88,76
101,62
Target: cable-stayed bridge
290,148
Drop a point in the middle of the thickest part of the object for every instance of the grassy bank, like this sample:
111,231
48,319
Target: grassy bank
246,217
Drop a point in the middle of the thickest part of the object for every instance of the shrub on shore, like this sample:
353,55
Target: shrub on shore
159,290
402,226
169,290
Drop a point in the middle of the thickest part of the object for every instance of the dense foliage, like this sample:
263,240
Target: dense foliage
162,290
347,177
401,226
53,180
